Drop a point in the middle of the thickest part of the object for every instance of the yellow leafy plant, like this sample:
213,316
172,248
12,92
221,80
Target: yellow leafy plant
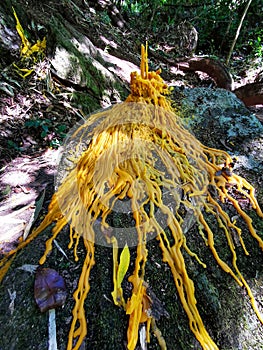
27,50
119,271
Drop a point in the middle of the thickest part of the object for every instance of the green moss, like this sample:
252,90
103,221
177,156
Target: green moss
97,83
85,102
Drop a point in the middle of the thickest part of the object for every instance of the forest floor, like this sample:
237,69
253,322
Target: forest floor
33,124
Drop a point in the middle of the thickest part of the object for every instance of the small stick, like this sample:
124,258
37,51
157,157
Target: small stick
52,331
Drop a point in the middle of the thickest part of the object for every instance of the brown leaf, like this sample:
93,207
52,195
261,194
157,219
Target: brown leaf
49,290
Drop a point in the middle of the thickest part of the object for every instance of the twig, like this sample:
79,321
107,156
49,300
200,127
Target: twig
61,250
12,296
237,32
52,331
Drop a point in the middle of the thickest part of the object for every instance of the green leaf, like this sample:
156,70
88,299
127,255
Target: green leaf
123,265
5,191
45,128
12,145
7,89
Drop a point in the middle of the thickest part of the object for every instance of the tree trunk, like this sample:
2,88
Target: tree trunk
215,69
251,94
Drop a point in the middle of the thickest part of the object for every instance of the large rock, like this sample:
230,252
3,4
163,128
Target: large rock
220,120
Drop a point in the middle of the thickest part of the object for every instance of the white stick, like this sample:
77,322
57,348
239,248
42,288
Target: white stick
52,332
143,338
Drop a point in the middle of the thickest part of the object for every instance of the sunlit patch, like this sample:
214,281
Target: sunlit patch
16,178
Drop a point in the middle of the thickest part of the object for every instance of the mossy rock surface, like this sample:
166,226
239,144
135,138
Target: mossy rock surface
223,305
217,117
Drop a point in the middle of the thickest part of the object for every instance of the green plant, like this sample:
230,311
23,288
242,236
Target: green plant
61,130
47,130
13,145
256,43
42,125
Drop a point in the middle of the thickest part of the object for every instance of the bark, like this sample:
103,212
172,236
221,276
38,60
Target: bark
250,94
215,69
112,11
